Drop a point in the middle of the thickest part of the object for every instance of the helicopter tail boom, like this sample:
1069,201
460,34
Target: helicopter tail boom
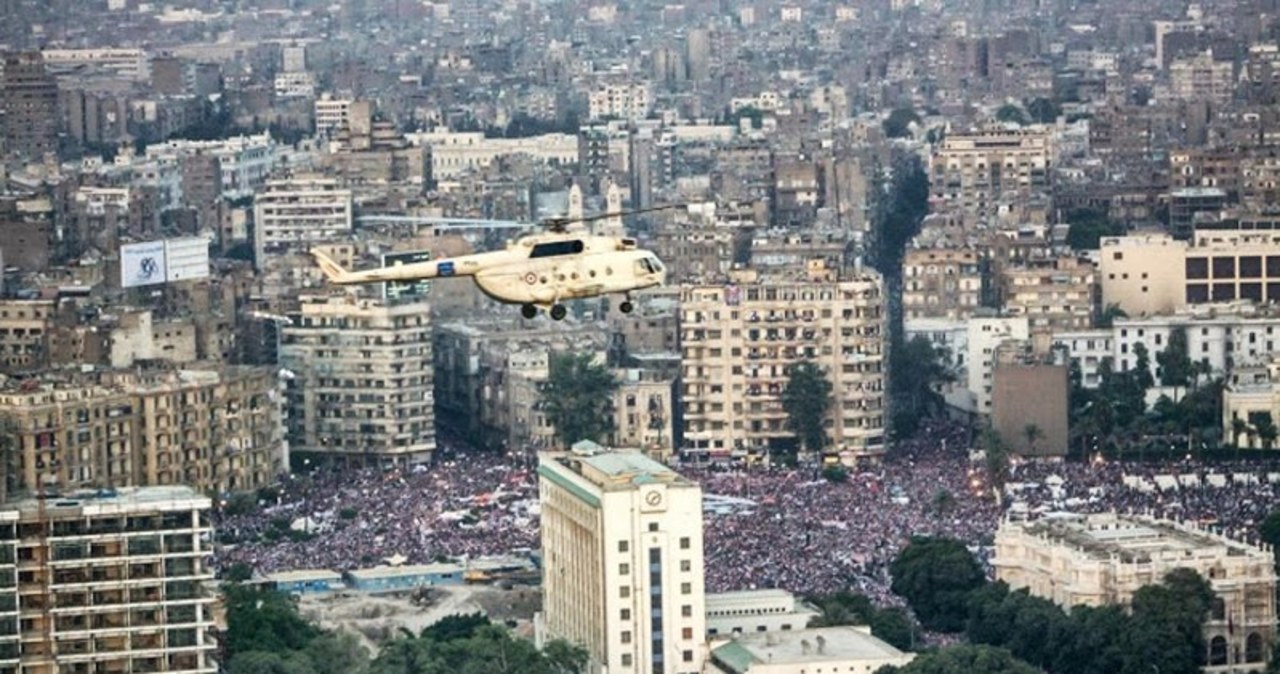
332,270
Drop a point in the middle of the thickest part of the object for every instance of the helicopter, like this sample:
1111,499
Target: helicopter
536,271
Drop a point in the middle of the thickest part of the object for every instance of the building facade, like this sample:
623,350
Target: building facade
217,430
974,172
134,599
623,561
292,214
359,383
941,282
740,339
1102,559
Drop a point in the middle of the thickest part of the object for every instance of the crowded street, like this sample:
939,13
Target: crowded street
792,529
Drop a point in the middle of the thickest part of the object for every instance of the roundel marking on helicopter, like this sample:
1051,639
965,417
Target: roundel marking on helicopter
531,278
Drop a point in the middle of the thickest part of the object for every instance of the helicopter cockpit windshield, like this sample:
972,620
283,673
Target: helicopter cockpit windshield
649,265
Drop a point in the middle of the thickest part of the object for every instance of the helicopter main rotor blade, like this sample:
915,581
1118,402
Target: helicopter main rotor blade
615,214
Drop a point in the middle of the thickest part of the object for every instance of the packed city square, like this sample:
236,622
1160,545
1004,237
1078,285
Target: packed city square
764,528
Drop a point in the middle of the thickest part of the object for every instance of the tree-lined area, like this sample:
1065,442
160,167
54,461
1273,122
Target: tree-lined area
1013,632
267,635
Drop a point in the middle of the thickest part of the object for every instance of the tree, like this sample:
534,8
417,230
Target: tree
936,575
894,627
1032,433
997,458
1110,314
565,658
943,501
836,474
578,395
917,369
1269,530
1012,114
1238,428
898,123
1176,368
1266,429
964,659
1087,227
264,620
1043,110
340,653
806,401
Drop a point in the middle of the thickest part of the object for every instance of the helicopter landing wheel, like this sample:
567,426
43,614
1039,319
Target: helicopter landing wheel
558,312
626,307
528,310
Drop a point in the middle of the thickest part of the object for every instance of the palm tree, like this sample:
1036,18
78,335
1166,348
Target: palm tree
1238,428
1267,431
1032,433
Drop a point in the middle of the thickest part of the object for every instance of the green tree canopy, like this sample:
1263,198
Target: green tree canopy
964,659
916,369
1087,227
806,401
898,123
1176,368
1043,110
1011,113
893,625
936,575
578,396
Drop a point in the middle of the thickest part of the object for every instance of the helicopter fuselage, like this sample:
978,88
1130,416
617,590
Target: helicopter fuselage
539,270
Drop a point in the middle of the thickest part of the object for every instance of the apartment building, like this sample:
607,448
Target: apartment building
1155,274
1103,559
107,581
292,214
1055,293
1202,78
740,338
941,282
974,172
29,103
625,101
359,388
622,561
985,336
24,334
217,430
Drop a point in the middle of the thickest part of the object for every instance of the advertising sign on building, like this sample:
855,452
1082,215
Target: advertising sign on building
396,290
156,262
186,259
142,264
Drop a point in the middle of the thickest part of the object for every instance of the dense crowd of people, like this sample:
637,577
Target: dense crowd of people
788,528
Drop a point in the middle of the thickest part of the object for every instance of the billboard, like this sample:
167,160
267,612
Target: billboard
156,262
186,259
142,264
396,290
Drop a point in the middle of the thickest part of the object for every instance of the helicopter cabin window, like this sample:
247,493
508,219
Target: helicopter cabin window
556,248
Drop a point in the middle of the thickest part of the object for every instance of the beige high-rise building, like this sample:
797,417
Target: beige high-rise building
359,377
133,597
293,214
1155,274
740,338
622,561
1056,293
213,429
1103,559
941,282
975,171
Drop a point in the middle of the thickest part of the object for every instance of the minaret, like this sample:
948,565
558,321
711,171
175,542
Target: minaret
575,203
612,226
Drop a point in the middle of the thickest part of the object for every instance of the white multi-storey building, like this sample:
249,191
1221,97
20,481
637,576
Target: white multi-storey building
455,154
131,63
331,114
361,387
986,334
739,340
629,102
294,213
134,599
623,561
295,85
244,161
